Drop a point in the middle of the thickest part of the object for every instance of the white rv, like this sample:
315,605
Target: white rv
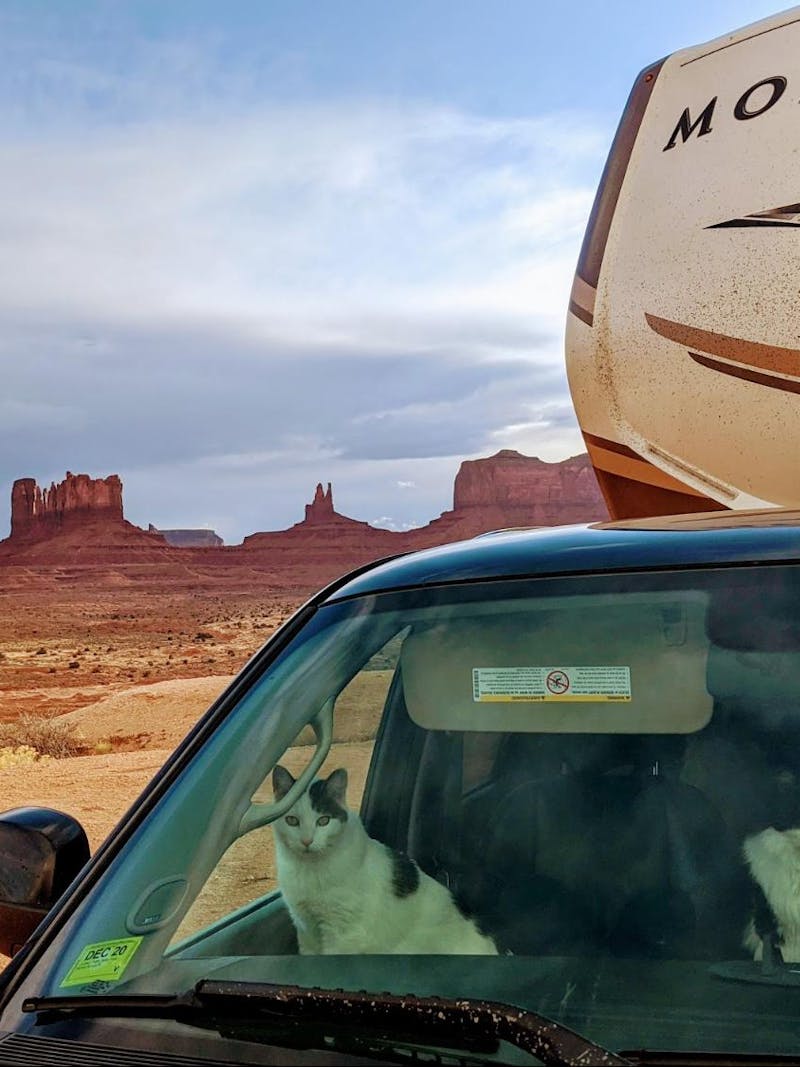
683,339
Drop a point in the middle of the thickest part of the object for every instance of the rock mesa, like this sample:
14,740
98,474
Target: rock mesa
79,519
528,491
198,538
37,513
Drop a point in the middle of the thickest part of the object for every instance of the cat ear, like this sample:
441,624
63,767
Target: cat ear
282,782
336,785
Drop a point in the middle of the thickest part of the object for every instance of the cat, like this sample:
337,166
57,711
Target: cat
350,894
773,857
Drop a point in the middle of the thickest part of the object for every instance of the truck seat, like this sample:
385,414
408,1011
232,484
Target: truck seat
616,857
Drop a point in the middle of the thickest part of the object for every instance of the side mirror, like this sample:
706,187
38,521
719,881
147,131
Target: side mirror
41,852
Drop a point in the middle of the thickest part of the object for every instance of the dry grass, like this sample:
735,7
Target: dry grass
44,736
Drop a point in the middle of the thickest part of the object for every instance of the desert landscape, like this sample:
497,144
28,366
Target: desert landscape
103,685
114,640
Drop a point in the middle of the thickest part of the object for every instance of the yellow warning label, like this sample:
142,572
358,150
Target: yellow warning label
563,684
104,961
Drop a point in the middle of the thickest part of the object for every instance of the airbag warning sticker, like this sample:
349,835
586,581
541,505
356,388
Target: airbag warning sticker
506,684
104,961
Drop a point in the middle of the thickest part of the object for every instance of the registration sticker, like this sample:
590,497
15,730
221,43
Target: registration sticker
561,684
103,961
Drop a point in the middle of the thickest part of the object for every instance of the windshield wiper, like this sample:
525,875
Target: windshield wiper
312,1013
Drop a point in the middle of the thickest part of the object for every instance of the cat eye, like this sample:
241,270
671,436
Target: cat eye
323,820
292,820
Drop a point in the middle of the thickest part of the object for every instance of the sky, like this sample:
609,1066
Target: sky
250,245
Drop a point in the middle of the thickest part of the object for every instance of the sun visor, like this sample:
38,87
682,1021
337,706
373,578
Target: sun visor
587,667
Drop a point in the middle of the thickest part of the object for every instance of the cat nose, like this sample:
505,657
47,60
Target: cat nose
306,841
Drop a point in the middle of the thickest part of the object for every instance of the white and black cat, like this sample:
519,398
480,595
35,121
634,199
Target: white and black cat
773,857
348,893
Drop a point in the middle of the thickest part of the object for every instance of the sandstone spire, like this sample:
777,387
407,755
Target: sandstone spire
321,507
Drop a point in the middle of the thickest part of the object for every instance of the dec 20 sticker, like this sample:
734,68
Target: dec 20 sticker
103,961
508,684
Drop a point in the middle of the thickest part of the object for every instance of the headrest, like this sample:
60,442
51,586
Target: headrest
759,681
757,612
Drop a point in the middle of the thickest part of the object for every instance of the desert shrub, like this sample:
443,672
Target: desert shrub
17,756
46,737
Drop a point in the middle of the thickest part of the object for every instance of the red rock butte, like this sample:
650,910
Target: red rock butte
510,490
39,512
81,520
80,517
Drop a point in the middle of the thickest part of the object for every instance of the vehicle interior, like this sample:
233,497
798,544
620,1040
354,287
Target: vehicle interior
584,841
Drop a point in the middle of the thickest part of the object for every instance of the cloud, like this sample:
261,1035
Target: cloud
386,522
26,416
223,300
322,214
550,431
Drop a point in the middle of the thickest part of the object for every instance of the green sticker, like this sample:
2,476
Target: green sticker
104,961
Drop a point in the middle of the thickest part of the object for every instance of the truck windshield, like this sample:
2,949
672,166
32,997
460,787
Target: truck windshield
579,796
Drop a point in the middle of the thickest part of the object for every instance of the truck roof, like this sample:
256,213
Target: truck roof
766,535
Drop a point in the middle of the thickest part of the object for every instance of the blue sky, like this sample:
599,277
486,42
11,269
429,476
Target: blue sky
247,246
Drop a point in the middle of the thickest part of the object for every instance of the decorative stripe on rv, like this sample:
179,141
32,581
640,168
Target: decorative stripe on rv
616,458
770,365
581,300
